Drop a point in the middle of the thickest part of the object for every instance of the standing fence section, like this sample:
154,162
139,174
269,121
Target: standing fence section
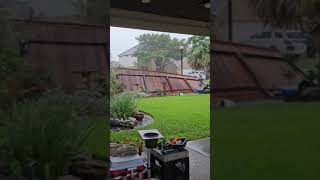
74,55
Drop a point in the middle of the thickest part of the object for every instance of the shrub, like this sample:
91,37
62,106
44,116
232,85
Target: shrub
123,105
89,103
115,85
41,136
84,102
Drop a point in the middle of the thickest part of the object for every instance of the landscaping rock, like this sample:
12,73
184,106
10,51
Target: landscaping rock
123,149
86,168
115,122
132,119
81,157
129,123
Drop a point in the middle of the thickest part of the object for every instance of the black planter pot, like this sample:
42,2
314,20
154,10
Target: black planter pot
138,116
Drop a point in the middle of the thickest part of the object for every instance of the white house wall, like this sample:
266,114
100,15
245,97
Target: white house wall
128,61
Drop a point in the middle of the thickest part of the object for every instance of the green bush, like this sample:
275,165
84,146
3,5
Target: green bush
115,85
123,105
89,103
84,102
41,136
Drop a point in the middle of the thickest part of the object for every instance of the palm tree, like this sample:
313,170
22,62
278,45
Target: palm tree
286,12
198,53
301,14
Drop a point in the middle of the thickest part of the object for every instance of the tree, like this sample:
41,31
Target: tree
301,14
198,52
288,13
158,47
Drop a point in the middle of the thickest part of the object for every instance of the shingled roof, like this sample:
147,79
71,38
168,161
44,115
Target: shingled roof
130,51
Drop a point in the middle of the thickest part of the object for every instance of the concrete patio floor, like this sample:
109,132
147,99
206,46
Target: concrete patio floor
199,158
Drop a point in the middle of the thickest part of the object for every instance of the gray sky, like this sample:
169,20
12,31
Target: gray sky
122,39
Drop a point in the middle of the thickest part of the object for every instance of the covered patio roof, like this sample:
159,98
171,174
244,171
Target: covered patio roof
178,16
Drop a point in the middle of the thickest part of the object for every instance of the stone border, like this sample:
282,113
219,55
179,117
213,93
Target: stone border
147,120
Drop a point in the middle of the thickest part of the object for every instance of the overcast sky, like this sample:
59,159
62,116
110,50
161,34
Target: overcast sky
122,39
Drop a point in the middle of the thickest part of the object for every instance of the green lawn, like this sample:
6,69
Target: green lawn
174,116
264,142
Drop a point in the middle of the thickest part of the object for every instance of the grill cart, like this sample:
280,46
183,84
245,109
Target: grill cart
168,160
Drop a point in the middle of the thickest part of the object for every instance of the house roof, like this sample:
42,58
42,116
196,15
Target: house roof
130,51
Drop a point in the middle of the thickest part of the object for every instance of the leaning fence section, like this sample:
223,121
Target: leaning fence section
152,82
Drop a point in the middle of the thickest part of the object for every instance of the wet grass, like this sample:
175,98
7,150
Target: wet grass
267,141
174,116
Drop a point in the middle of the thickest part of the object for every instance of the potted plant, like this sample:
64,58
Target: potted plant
139,116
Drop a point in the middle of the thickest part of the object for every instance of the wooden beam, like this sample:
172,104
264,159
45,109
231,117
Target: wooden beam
188,84
170,85
148,75
241,58
66,43
144,83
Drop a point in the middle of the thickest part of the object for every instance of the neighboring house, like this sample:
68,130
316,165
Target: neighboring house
128,60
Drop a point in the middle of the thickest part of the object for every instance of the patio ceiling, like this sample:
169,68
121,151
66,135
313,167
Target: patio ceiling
188,9
179,16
